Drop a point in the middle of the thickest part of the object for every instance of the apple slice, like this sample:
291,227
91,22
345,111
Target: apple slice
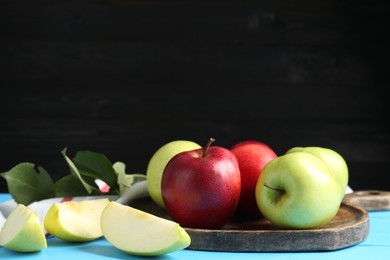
140,233
23,231
75,221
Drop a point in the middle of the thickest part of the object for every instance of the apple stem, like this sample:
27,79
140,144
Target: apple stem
272,188
206,148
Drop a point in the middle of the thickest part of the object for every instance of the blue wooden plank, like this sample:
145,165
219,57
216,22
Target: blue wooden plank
376,246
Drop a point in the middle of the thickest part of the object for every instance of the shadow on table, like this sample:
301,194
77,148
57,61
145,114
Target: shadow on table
98,247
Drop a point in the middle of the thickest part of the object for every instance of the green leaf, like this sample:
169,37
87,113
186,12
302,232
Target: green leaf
96,166
75,172
70,186
125,181
28,183
119,167
138,177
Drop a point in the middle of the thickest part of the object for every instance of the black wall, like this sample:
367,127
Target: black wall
125,77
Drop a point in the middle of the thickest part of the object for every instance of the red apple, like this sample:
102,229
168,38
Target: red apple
252,156
201,187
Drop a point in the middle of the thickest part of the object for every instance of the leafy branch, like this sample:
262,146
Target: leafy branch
28,182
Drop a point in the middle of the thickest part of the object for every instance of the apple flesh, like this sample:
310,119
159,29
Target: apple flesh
158,162
334,160
75,221
140,233
252,156
201,187
23,231
298,191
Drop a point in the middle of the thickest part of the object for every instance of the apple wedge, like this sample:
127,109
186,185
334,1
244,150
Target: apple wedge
75,221
23,231
140,233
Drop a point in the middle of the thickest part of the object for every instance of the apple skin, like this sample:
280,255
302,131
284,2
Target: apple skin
334,160
304,194
23,231
158,162
252,156
202,189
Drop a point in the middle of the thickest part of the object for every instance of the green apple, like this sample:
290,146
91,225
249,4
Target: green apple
75,221
334,160
298,191
140,233
23,231
158,162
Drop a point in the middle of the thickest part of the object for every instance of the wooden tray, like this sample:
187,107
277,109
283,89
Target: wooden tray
370,200
349,227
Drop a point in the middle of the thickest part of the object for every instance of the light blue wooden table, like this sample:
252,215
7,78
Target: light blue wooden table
376,246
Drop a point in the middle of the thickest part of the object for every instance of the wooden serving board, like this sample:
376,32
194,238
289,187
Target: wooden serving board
349,227
370,200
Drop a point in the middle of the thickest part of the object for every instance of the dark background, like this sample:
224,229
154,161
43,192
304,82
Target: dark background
125,77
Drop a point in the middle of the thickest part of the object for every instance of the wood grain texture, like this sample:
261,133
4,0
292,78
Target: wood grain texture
125,77
370,200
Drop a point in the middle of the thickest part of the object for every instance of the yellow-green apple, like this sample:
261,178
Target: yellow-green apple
140,233
334,160
23,231
75,221
201,187
252,156
158,162
297,190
